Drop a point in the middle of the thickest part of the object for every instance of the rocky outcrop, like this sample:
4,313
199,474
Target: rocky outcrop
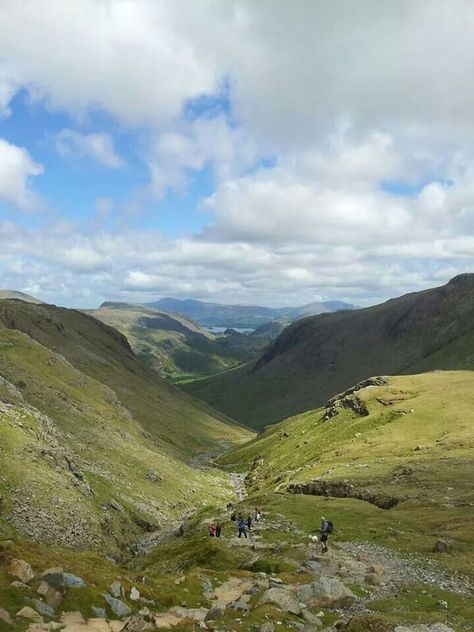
343,489
350,400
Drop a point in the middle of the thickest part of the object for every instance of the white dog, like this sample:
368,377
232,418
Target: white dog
314,538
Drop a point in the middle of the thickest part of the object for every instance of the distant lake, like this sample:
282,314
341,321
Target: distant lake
220,330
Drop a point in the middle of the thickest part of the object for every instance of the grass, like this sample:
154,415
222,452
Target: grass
378,452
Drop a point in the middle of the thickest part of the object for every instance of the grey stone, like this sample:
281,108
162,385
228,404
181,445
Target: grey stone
100,613
72,581
5,617
283,599
119,608
43,609
312,619
305,593
116,589
19,585
267,627
55,578
134,594
153,476
329,592
215,613
443,605
442,546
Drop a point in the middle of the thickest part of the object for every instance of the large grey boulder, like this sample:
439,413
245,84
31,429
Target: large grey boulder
329,592
283,599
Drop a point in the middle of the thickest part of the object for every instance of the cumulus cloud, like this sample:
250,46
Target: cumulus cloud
97,145
353,102
16,168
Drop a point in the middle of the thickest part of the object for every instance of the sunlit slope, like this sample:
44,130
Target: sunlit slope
93,446
174,345
404,448
318,356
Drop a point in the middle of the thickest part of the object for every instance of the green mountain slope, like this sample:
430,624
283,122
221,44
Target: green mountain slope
320,355
392,457
95,448
174,345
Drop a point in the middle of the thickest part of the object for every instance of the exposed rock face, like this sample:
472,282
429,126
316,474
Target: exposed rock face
5,617
343,489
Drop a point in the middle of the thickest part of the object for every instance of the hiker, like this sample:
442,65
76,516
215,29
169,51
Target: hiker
233,516
327,528
241,526
257,514
212,530
249,522
218,529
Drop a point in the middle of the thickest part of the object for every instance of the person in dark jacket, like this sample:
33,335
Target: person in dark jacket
241,527
249,522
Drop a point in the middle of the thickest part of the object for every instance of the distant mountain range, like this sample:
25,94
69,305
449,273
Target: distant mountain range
242,316
318,356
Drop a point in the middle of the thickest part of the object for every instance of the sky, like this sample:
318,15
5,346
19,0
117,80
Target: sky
272,152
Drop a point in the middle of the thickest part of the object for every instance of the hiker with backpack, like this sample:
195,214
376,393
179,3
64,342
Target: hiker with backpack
241,526
327,528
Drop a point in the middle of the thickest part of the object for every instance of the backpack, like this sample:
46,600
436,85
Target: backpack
329,526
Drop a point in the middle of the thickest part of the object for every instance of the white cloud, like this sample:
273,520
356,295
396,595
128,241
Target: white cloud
343,97
16,167
96,145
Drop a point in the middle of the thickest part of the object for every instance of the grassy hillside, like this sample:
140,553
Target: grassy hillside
317,356
94,447
407,444
174,345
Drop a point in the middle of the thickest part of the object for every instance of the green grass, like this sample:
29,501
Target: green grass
377,452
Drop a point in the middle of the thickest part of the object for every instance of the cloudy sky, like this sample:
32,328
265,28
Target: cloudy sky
267,152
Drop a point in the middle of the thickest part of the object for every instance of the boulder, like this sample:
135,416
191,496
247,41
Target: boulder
312,619
153,476
116,589
19,585
373,579
305,593
30,614
215,613
100,613
52,597
119,608
5,617
134,594
329,592
442,546
55,578
283,599
72,581
166,620
22,570
239,606
43,609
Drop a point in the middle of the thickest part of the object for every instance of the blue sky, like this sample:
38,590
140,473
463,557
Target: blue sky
147,150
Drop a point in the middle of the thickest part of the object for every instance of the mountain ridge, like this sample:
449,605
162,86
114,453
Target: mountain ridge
319,355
